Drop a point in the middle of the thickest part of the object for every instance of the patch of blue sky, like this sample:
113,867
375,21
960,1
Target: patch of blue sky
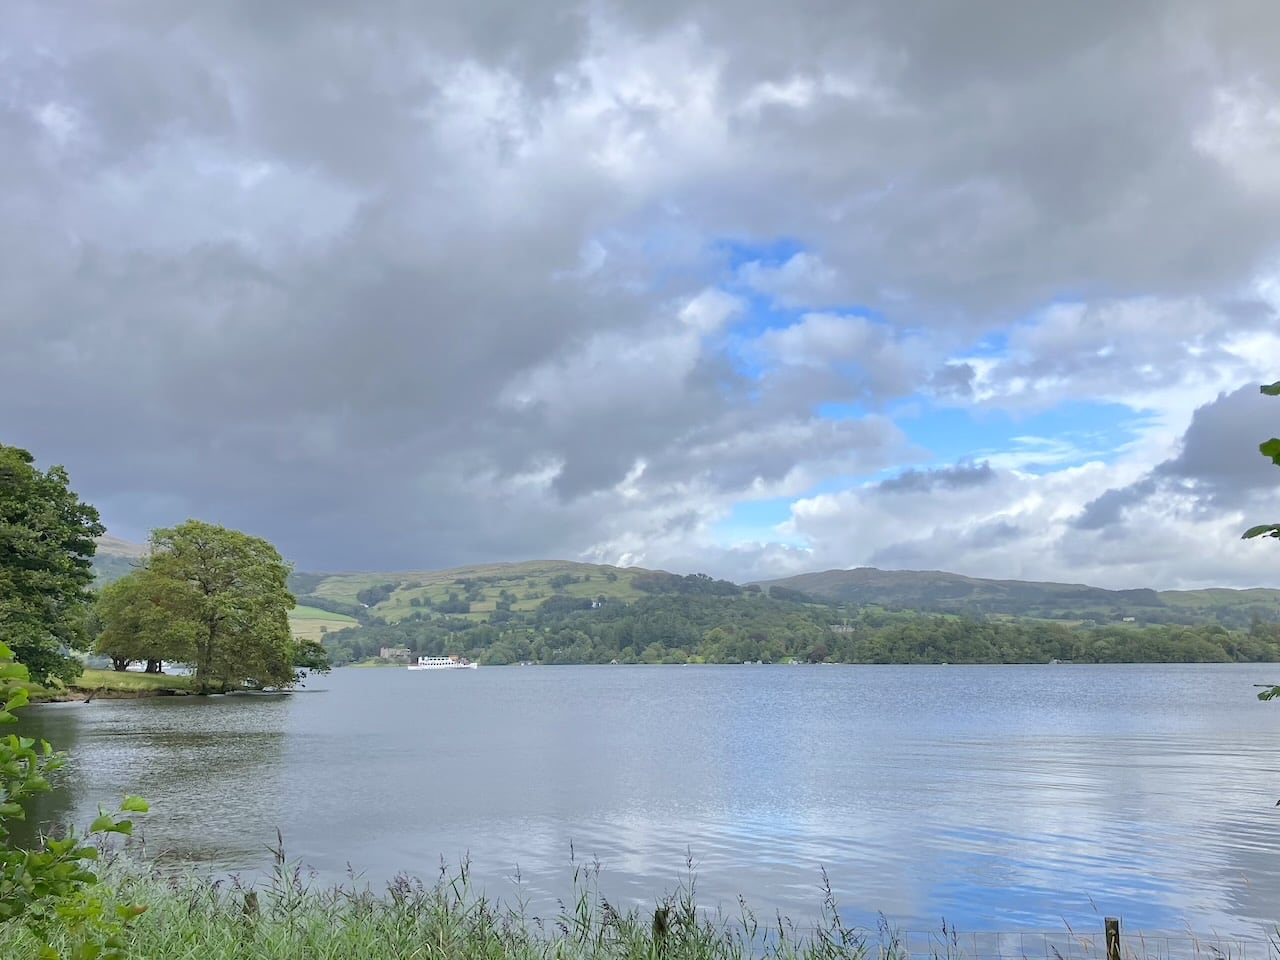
762,312
994,344
1067,435
755,521
773,253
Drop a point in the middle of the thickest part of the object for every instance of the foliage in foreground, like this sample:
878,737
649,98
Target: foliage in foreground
1271,450
192,916
46,551
48,894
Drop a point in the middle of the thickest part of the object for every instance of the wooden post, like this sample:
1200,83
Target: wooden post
1113,938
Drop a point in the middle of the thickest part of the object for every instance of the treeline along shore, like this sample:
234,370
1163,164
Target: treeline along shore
777,626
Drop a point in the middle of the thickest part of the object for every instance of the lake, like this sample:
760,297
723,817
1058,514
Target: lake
998,797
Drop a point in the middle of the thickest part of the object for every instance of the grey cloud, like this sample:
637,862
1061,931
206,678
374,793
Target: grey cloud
285,265
928,553
995,533
1107,511
1111,349
992,173
1219,451
958,477
953,380
1218,467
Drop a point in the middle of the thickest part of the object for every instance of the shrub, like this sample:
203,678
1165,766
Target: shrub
51,889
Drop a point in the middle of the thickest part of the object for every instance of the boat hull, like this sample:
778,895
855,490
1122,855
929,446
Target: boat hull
454,665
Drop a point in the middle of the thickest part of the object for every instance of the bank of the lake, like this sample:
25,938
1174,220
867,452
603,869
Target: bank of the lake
286,917
112,685
999,797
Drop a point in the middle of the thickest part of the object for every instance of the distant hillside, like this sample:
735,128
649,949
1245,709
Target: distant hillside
475,592
114,546
115,558
499,591
953,593
310,623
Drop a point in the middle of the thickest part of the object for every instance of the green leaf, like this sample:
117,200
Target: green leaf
1271,449
1271,389
1262,530
134,804
103,823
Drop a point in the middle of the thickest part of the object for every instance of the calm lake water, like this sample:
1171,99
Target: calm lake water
996,797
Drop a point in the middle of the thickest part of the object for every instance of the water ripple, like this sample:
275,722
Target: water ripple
997,797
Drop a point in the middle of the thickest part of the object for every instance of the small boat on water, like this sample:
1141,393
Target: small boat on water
443,663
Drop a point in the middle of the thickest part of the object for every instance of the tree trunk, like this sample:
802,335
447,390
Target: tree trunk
204,660
120,663
153,666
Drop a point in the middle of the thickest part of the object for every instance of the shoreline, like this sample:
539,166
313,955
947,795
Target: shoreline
281,916
93,684
84,694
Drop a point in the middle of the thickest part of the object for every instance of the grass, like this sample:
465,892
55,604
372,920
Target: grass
311,623
286,917
108,683
1220,596
129,681
531,582
190,916
302,612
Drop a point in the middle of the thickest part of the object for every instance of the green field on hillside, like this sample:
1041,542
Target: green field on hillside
306,622
530,583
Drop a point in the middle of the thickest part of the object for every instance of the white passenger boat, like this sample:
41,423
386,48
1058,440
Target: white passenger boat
443,663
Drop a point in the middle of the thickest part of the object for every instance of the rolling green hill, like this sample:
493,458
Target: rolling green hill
336,600
311,623
474,592
952,593
115,558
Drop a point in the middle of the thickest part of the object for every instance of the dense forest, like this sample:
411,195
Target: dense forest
702,621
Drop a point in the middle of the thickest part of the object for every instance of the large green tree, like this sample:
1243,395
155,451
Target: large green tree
46,548
142,617
228,592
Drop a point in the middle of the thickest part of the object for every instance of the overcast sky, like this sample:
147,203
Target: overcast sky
748,288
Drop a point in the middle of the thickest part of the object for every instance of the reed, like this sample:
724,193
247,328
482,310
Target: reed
285,917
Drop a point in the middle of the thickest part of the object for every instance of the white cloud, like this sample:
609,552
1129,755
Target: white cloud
1243,134
456,284
803,280
710,310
